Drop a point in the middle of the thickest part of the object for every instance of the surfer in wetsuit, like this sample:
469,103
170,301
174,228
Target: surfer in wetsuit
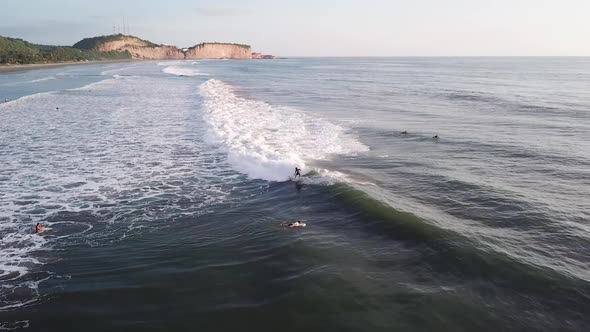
297,172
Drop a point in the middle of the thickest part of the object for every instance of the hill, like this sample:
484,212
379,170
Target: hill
18,51
96,43
136,47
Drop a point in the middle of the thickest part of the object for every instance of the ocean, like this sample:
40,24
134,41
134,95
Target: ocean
164,191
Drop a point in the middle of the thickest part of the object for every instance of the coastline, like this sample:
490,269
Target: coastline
35,66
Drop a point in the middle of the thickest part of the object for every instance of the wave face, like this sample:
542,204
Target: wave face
265,141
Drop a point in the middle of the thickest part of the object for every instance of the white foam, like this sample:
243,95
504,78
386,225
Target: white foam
96,151
15,249
9,326
32,295
183,71
171,63
111,71
13,104
98,84
267,142
44,79
17,246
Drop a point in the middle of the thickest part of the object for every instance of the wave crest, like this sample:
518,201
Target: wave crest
183,71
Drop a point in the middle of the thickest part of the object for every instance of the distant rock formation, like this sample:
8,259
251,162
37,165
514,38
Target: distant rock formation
219,51
143,49
262,56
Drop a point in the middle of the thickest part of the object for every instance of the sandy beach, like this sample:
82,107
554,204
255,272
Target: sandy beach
12,68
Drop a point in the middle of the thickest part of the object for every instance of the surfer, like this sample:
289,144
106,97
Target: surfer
435,137
38,228
404,132
296,224
297,172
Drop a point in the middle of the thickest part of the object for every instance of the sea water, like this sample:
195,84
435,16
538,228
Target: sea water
163,188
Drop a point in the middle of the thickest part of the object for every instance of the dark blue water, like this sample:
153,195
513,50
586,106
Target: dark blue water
164,188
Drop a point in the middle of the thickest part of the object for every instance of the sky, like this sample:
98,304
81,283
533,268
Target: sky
319,28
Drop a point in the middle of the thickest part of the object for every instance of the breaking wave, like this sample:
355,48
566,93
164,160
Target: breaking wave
183,71
265,141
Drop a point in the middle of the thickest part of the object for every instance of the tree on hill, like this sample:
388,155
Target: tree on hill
18,51
94,42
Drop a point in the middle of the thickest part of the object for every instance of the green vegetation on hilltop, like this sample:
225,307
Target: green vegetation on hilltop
18,51
216,43
94,42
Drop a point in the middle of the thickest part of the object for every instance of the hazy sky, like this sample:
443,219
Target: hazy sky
320,28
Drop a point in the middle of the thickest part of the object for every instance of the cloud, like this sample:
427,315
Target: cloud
218,11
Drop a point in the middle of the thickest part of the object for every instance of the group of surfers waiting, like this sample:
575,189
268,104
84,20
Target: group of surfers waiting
433,137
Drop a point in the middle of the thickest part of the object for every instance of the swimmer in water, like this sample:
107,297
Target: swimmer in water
435,137
296,224
404,132
38,228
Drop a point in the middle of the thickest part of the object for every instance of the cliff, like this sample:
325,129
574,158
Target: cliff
154,53
219,51
138,48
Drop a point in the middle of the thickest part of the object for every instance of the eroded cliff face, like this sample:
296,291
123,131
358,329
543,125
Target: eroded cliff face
139,49
121,44
155,53
219,51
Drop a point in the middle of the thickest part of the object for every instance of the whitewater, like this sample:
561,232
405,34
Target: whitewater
268,142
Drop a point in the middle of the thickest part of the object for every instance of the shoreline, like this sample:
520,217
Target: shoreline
35,66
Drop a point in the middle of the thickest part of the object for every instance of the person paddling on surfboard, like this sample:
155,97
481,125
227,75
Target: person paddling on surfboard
296,224
297,172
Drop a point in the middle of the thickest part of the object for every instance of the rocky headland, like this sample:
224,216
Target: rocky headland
142,49
219,51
